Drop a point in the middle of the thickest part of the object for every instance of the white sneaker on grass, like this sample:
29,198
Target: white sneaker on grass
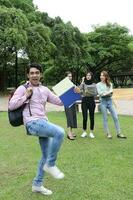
84,134
109,136
54,171
91,135
41,189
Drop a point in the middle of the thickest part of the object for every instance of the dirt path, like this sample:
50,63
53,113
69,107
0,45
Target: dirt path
123,106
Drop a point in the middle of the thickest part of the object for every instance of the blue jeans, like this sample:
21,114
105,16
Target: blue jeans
50,138
105,105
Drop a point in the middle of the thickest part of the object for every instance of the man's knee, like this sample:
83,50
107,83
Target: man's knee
61,133
116,118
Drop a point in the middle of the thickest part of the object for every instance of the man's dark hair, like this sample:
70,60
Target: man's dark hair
34,65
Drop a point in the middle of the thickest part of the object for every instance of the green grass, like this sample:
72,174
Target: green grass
95,169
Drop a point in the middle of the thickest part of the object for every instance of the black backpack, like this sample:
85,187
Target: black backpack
16,116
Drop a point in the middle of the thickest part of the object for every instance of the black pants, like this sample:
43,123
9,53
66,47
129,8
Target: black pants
88,103
71,116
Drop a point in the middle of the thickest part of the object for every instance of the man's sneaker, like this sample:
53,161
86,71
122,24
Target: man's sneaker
54,171
41,190
121,136
109,136
84,134
92,135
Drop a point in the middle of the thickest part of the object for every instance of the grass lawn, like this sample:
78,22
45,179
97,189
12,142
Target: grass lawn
95,169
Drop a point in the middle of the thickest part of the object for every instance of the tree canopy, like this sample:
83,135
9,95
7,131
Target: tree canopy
57,45
109,48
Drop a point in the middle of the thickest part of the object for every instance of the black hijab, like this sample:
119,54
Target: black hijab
88,82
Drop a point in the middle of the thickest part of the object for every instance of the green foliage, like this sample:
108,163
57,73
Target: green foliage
46,20
6,3
130,46
25,5
109,48
60,46
71,48
13,25
39,45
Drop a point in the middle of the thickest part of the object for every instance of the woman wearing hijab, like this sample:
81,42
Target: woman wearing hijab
88,91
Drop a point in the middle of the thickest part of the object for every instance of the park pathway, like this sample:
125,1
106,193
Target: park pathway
124,107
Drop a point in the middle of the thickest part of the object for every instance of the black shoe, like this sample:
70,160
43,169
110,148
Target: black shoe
74,135
121,136
70,137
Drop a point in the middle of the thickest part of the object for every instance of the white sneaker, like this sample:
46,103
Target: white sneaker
84,134
92,135
41,190
54,171
109,136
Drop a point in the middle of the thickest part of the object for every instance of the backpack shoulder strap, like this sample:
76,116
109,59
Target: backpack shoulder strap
26,85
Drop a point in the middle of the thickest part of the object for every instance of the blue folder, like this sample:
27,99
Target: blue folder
70,97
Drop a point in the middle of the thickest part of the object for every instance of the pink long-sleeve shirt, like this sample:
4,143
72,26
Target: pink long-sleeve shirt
40,96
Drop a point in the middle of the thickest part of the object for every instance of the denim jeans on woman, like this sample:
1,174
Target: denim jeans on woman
105,105
50,139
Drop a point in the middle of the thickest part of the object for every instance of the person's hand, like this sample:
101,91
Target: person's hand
83,78
107,93
77,90
29,92
104,94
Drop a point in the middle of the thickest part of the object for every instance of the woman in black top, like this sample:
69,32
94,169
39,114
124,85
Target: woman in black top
88,91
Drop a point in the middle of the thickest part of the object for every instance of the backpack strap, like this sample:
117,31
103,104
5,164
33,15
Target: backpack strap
26,85
29,109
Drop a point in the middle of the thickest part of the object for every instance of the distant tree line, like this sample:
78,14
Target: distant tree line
28,35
